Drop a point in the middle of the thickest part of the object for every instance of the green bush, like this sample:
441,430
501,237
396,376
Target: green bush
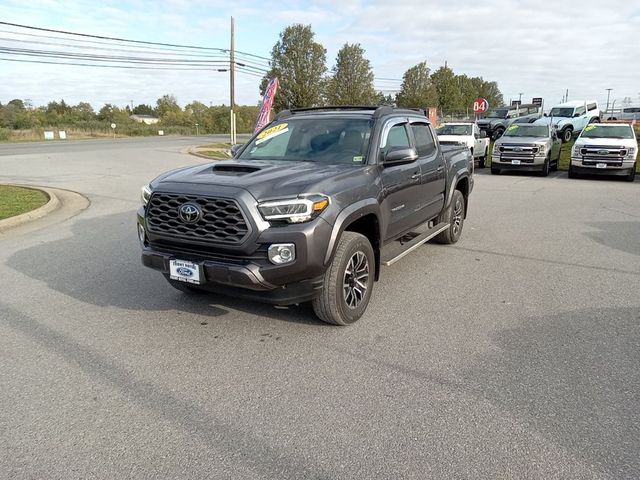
4,134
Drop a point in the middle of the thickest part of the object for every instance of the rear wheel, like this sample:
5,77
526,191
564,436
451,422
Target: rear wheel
498,133
454,216
348,281
483,160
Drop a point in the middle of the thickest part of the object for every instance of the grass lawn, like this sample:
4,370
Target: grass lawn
17,200
216,151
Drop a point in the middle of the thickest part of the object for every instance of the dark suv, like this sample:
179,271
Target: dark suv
309,209
499,119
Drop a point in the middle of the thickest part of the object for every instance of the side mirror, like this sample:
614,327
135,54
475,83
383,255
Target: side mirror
235,148
398,155
545,114
575,115
483,134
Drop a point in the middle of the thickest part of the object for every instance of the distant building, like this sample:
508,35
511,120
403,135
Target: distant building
146,119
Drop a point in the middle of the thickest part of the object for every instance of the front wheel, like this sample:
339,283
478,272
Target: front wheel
572,173
566,135
495,170
348,282
546,167
454,216
632,174
483,160
498,133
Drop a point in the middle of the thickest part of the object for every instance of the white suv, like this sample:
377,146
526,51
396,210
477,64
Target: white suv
571,117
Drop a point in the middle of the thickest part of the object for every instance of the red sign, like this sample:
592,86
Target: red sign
480,105
264,116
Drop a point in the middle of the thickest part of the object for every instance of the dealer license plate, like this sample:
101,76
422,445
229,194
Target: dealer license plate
601,165
184,271
515,162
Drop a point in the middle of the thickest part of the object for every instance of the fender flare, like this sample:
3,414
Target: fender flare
347,216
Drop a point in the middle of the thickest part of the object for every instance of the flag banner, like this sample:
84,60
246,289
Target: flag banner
267,102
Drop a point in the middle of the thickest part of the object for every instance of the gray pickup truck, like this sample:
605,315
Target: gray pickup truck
309,209
496,122
526,147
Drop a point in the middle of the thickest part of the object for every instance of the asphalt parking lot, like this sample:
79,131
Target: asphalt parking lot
513,354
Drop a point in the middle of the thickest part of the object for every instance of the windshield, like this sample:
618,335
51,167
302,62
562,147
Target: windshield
519,130
561,112
321,140
454,130
607,131
498,113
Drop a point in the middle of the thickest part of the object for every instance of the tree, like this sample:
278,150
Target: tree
352,80
416,90
300,64
143,109
448,89
167,104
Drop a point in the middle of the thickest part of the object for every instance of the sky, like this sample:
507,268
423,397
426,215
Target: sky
537,48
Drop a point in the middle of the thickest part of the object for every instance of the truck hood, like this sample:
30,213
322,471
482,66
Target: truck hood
556,121
263,179
522,141
609,142
464,139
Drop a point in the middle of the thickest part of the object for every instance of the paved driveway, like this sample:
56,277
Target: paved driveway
514,354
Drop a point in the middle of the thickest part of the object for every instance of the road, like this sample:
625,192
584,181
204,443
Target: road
513,354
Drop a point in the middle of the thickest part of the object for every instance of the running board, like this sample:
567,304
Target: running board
397,249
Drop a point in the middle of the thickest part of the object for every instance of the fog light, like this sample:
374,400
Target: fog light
281,253
142,236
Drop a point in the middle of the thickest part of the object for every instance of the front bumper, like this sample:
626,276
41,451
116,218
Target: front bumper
532,164
623,167
249,273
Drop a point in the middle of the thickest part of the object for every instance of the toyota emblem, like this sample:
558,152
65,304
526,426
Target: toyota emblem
189,213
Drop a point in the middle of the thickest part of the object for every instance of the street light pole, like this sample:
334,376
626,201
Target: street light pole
520,98
232,81
608,94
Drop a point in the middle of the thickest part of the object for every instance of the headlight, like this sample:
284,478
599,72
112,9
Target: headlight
542,149
631,153
297,210
574,151
145,195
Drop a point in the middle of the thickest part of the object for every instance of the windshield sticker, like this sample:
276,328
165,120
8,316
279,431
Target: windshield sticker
358,159
513,127
272,132
588,128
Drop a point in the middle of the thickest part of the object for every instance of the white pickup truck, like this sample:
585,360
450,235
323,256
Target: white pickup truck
466,134
605,148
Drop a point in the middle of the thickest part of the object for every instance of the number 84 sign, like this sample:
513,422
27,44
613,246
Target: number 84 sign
481,105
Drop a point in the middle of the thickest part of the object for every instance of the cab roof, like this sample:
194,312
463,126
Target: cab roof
352,110
573,103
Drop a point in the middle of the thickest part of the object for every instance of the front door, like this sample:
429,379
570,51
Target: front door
401,185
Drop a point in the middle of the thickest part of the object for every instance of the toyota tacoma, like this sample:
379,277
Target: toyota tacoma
309,209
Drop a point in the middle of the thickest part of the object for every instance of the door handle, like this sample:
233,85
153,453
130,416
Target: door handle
415,176
440,168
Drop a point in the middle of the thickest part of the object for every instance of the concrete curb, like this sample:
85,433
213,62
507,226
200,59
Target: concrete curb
52,205
194,151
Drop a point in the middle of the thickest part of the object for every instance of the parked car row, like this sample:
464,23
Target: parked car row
610,148
569,117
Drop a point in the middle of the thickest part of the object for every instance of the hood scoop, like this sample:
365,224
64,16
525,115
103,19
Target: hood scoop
235,169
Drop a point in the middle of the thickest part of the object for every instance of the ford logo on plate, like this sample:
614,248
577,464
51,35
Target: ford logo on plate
185,272
603,152
189,213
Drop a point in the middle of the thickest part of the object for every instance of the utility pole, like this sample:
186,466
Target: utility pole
520,98
232,81
131,105
608,94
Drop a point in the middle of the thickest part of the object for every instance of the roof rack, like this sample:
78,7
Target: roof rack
378,111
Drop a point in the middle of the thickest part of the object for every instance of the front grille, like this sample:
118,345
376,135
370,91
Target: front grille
594,154
526,154
222,220
197,252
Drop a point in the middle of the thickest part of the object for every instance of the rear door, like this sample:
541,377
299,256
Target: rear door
402,188
432,167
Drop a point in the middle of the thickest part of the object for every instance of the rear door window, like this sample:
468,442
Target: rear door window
425,145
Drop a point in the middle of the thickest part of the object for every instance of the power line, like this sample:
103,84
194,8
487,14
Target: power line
112,66
64,32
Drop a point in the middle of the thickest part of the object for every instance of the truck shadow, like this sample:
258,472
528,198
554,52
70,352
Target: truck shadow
100,264
623,236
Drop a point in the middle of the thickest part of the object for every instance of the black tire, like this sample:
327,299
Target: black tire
594,120
185,287
546,167
498,133
572,173
632,174
454,216
481,161
566,135
495,170
340,305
